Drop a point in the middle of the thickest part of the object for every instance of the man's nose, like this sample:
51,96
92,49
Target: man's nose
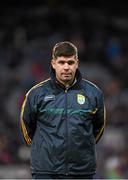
66,66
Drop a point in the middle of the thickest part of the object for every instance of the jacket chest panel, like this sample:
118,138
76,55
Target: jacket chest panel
55,108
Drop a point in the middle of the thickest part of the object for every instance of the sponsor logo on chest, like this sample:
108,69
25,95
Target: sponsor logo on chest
49,98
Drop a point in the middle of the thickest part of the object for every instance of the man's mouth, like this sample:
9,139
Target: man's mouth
66,74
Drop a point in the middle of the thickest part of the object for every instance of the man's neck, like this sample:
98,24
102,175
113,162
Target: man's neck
67,84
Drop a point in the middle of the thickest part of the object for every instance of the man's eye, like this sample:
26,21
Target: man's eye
61,62
71,62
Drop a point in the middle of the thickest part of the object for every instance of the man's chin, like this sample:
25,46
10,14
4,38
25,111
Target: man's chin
66,79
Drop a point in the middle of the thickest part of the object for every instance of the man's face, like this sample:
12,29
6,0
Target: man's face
65,68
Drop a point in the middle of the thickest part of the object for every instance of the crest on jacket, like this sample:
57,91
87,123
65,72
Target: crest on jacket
80,99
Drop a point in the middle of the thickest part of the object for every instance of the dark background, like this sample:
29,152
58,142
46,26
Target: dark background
28,32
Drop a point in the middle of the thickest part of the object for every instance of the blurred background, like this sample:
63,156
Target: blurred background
28,31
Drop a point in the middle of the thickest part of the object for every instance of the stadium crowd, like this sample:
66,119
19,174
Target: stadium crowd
27,35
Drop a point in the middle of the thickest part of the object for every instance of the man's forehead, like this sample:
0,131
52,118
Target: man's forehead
66,59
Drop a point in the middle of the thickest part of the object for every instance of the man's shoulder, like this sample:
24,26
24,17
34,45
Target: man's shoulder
34,89
90,85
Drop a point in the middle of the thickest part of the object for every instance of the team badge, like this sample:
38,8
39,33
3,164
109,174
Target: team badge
80,99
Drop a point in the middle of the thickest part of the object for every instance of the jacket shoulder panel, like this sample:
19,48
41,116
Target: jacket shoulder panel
36,88
91,87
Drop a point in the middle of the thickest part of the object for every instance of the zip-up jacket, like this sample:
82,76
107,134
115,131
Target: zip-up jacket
62,126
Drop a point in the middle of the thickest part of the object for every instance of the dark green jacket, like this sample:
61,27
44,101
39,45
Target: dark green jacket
63,125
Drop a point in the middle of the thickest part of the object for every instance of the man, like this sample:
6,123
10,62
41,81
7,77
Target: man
62,119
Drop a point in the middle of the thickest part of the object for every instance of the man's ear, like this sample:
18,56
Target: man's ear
53,63
77,63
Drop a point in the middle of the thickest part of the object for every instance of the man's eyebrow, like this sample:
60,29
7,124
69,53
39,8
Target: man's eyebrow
69,61
66,60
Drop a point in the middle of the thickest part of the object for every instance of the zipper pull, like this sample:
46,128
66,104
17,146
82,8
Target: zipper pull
66,88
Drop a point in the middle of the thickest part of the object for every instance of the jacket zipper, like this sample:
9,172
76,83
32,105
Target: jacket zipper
67,170
67,138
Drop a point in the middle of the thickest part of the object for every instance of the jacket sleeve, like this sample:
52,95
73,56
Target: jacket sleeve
100,117
28,119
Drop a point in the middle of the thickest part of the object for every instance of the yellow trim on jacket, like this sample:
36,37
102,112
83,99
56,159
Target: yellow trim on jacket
23,127
102,129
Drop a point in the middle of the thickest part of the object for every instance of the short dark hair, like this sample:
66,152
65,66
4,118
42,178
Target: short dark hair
65,49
